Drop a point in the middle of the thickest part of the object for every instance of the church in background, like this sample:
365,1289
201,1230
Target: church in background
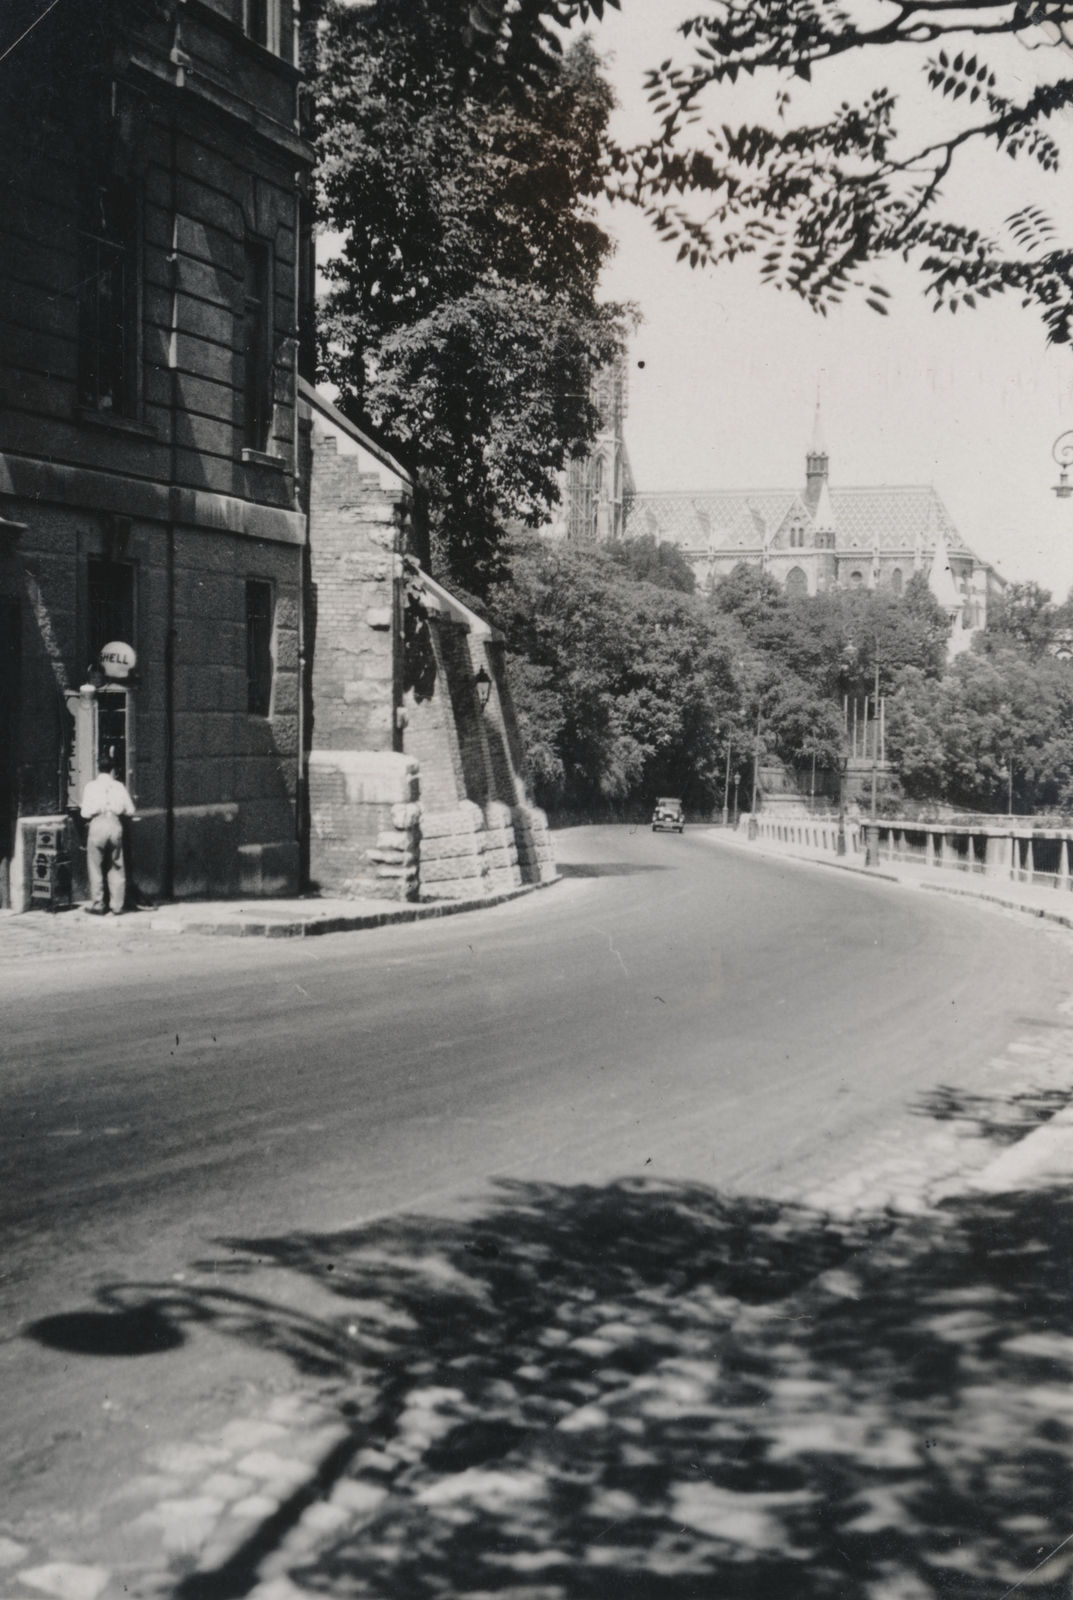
597,489
819,537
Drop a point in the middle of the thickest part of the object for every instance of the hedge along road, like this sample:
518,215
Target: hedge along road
669,1009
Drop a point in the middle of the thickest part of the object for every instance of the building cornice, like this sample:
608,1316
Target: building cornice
85,489
230,110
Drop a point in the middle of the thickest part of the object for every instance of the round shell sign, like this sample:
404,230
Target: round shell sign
117,659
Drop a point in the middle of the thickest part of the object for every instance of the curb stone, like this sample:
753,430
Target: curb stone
309,927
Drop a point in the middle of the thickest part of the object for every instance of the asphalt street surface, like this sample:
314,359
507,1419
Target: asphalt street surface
670,1010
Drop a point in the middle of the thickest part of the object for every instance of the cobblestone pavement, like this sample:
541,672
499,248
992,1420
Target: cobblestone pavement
251,1506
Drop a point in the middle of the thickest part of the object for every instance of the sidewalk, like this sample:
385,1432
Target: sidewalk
1043,1157
1033,900
38,932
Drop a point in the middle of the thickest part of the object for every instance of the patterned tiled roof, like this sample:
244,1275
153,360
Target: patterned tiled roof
729,519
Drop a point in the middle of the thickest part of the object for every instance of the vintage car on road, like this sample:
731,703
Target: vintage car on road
668,814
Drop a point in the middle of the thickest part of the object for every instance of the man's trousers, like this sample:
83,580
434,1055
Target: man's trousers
104,860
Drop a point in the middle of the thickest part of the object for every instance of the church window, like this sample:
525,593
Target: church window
896,580
796,582
856,577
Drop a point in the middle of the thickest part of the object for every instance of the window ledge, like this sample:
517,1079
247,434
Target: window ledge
112,422
261,458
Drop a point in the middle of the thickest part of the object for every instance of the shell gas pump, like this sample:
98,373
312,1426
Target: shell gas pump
103,715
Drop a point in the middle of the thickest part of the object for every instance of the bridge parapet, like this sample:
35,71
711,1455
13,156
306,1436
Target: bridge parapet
1012,852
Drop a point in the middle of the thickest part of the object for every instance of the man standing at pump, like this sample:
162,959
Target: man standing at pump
105,802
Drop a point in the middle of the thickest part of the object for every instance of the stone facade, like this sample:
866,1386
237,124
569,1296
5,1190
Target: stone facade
150,298
305,700
414,785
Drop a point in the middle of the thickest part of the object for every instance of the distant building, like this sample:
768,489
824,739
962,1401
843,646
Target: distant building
597,488
819,537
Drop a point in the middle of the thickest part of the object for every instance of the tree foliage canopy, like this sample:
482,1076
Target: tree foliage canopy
819,203
998,724
628,687
623,688
463,316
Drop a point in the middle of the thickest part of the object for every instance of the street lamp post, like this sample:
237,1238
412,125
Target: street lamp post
1062,450
726,787
843,764
756,766
875,735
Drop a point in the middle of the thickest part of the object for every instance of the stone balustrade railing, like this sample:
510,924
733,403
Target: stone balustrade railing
813,833
1015,852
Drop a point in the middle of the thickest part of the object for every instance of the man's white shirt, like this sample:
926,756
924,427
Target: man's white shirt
106,794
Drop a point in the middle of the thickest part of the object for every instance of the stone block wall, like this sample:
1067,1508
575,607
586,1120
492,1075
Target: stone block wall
452,853
354,571
536,857
413,785
359,801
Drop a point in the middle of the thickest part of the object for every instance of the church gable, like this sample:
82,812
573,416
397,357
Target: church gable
794,532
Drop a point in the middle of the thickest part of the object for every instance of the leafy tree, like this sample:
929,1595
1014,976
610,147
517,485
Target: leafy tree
821,201
996,722
1023,618
624,689
806,651
750,595
662,564
463,318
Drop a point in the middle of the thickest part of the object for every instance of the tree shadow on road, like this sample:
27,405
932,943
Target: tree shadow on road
654,1391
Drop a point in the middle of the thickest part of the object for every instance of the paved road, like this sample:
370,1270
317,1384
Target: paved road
670,1009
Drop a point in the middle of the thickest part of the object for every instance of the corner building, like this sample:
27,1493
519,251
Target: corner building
155,312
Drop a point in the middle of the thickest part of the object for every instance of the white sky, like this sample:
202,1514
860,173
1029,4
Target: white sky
971,403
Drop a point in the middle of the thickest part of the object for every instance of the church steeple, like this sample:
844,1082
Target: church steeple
815,464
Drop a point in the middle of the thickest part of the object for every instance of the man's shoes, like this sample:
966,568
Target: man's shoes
95,911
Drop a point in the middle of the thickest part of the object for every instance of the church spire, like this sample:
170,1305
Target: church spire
815,464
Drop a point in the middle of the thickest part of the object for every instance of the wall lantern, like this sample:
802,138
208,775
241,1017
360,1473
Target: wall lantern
1063,454
483,685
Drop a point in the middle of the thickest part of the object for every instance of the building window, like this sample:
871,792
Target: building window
796,582
107,326
257,346
896,580
262,23
856,578
307,300
259,663
111,604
